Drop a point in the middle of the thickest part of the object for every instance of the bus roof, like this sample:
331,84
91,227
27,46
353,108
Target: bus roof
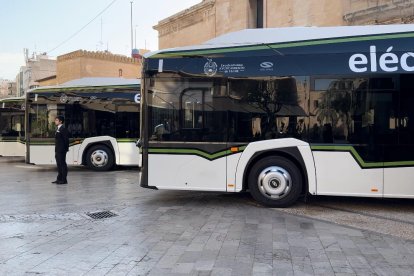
101,82
299,51
13,99
250,37
92,82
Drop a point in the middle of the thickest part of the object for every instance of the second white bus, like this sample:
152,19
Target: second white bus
101,114
12,134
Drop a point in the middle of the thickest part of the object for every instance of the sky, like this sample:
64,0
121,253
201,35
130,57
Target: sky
42,25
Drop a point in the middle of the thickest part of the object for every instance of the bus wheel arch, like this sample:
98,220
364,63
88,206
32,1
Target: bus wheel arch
99,156
281,154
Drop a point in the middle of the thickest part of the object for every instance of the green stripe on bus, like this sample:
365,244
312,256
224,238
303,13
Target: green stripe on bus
282,45
358,158
47,143
126,140
77,142
206,155
11,141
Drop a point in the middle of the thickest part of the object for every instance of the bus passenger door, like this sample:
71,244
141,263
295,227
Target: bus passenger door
346,131
204,124
399,151
189,137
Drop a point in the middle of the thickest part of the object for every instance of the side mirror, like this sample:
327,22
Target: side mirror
138,143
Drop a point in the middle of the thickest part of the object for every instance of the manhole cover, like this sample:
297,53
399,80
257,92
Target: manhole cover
101,215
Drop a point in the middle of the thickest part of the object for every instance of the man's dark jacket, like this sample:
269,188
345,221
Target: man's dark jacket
62,140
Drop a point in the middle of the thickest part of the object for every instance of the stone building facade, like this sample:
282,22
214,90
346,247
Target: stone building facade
48,81
211,18
7,88
81,64
38,66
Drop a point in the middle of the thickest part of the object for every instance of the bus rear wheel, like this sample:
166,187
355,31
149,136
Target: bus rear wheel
100,158
275,181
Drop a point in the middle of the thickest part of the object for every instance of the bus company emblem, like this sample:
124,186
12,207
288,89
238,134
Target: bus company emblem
69,99
210,68
63,98
266,65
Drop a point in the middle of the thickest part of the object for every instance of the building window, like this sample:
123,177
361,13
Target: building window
120,72
259,23
256,13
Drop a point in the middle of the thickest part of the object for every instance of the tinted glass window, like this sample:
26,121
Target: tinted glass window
11,124
12,119
192,107
356,111
86,115
400,143
187,110
268,108
373,114
127,121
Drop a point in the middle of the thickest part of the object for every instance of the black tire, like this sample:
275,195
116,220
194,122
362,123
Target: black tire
269,184
100,158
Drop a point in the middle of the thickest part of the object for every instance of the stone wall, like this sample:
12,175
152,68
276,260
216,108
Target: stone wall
379,12
281,13
212,18
188,27
81,64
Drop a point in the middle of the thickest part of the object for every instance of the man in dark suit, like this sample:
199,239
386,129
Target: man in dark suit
61,148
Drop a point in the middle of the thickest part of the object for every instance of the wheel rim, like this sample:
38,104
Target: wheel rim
274,182
99,158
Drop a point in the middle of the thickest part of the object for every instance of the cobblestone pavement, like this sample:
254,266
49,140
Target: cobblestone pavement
387,216
44,229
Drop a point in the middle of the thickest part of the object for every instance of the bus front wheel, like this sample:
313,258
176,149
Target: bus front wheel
100,158
275,181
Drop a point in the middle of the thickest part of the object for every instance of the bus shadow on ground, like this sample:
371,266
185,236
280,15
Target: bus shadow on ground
210,199
71,169
325,202
6,159
360,201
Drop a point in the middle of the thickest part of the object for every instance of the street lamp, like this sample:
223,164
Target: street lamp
132,35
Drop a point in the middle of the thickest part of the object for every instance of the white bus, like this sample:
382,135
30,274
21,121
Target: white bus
12,135
283,113
101,114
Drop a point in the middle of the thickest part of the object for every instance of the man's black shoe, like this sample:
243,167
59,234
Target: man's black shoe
61,182
55,182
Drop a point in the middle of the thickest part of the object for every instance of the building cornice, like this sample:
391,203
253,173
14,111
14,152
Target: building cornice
390,12
97,55
188,17
46,79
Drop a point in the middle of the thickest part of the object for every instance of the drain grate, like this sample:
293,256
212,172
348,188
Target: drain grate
101,215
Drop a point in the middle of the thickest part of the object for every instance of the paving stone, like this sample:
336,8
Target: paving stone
204,265
44,230
221,272
183,268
